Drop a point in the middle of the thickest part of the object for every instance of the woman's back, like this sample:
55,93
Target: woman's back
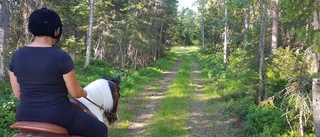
39,71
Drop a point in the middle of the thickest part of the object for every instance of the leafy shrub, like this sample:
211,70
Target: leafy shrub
286,64
7,117
297,134
238,84
265,121
8,106
241,74
290,83
238,108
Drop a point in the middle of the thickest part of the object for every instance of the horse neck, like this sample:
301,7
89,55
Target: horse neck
99,92
94,109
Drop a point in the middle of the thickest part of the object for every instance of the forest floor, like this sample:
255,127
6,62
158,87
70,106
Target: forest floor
203,122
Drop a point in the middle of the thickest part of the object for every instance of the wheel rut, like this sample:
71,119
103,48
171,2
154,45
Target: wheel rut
150,98
205,117
203,121
198,121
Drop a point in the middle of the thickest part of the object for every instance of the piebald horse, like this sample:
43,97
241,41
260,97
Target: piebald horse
101,101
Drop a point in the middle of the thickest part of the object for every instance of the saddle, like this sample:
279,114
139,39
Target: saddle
41,129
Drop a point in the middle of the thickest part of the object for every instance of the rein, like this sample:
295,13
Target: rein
101,107
115,102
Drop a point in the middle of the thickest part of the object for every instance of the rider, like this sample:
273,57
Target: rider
43,76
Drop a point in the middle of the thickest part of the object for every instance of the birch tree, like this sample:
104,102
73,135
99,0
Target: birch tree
225,33
315,82
274,41
4,35
202,22
246,24
88,50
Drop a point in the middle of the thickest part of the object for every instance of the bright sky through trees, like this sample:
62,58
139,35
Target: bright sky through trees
187,4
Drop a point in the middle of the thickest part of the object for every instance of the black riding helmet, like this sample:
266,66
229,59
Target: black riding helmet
43,22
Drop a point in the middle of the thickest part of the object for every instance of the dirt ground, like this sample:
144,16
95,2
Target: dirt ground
151,97
202,122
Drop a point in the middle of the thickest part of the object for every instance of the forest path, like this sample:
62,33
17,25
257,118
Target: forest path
151,97
205,119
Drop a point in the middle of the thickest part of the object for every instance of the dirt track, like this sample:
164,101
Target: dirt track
202,122
152,97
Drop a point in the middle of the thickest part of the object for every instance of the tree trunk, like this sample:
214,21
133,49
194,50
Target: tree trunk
159,51
246,25
88,51
202,23
262,75
225,33
121,51
301,121
274,41
315,83
4,35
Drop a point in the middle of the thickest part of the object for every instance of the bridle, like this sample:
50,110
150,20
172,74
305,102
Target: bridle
115,96
100,107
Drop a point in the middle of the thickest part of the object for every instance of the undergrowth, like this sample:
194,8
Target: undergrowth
237,83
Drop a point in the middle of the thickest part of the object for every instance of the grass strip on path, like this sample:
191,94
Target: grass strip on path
130,88
172,117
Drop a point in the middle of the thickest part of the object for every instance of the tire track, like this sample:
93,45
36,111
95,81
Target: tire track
206,121
150,98
198,121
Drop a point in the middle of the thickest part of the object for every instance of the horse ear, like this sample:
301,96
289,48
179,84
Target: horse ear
105,77
116,80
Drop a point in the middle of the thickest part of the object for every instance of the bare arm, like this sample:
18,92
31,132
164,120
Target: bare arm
14,84
73,85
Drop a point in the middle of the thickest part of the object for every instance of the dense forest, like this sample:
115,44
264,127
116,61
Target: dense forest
263,55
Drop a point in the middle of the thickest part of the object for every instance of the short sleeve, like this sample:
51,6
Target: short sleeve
12,63
66,63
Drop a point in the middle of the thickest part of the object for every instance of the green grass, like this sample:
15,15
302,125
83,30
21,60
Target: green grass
131,85
172,116
188,49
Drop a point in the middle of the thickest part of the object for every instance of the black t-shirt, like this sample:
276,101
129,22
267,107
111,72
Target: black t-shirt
39,72
44,96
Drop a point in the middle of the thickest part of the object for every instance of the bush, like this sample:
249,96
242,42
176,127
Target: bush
7,117
238,108
265,121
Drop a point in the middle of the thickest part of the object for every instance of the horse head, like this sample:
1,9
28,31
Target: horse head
114,83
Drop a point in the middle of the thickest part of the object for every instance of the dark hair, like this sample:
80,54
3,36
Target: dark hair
43,22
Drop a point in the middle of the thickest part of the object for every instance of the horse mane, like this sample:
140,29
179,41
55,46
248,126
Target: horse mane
99,92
